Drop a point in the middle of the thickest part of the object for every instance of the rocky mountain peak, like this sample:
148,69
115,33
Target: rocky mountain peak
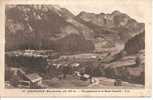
47,23
116,12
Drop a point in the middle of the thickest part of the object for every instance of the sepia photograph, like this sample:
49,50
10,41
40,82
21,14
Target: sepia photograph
76,45
47,46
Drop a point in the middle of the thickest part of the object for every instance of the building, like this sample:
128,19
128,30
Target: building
19,78
35,80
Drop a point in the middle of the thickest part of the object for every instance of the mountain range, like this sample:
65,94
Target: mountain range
54,27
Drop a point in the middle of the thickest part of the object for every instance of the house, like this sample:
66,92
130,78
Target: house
35,80
118,82
21,79
83,77
75,65
13,72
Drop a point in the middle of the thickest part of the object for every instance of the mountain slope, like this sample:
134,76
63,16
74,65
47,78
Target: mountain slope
48,26
116,21
44,24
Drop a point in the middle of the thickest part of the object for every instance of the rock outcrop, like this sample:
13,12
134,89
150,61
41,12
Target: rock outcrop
117,21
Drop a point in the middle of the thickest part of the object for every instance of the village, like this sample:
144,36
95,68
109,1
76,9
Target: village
40,69
48,46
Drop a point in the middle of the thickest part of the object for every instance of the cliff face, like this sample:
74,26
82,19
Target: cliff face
48,26
116,21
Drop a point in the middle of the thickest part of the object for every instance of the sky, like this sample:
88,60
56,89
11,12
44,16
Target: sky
137,9
134,8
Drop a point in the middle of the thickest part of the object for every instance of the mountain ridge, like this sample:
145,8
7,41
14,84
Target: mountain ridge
50,23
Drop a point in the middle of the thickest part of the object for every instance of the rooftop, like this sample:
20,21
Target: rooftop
34,77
